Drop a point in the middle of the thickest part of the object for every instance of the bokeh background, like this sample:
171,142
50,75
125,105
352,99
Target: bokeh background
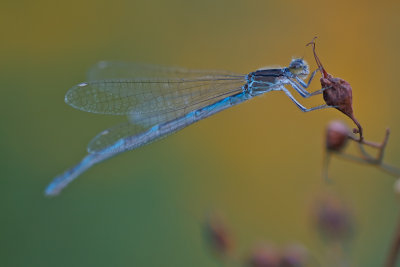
258,163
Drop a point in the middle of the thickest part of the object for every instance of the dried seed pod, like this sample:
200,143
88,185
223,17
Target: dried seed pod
396,186
333,219
264,256
218,235
338,93
337,134
294,256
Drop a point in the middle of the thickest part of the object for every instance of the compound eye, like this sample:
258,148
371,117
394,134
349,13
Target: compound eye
297,63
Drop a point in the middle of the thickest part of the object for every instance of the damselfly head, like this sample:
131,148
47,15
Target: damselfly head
299,67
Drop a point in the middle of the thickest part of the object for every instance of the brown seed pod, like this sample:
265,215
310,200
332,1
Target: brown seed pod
218,235
333,219
338,93
264,256
336,135
294,256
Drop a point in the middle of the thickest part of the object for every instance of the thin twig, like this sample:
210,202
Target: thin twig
365,157
384,167
325,166
394,249
381,148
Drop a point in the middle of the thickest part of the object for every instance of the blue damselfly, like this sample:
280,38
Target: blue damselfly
162,100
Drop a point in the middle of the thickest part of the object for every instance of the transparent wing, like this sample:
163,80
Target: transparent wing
142,122
107,70
108,137
148,94
142,95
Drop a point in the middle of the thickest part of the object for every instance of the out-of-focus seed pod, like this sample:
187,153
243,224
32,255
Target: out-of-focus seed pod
336,135
294,256
334,220
396,186
218,235
264,256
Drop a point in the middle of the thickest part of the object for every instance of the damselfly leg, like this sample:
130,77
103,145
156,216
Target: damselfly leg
300,106
300,86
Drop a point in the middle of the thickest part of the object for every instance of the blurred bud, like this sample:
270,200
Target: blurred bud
336,135
218,236
264,256
294,256
396,186
334,220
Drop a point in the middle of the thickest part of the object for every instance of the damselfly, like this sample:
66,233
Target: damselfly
162,100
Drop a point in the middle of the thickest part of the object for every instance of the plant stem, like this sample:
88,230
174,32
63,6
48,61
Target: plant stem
394,249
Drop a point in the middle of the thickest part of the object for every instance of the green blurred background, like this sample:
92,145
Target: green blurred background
258,163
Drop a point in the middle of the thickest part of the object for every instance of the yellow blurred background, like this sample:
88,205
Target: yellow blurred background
258,163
